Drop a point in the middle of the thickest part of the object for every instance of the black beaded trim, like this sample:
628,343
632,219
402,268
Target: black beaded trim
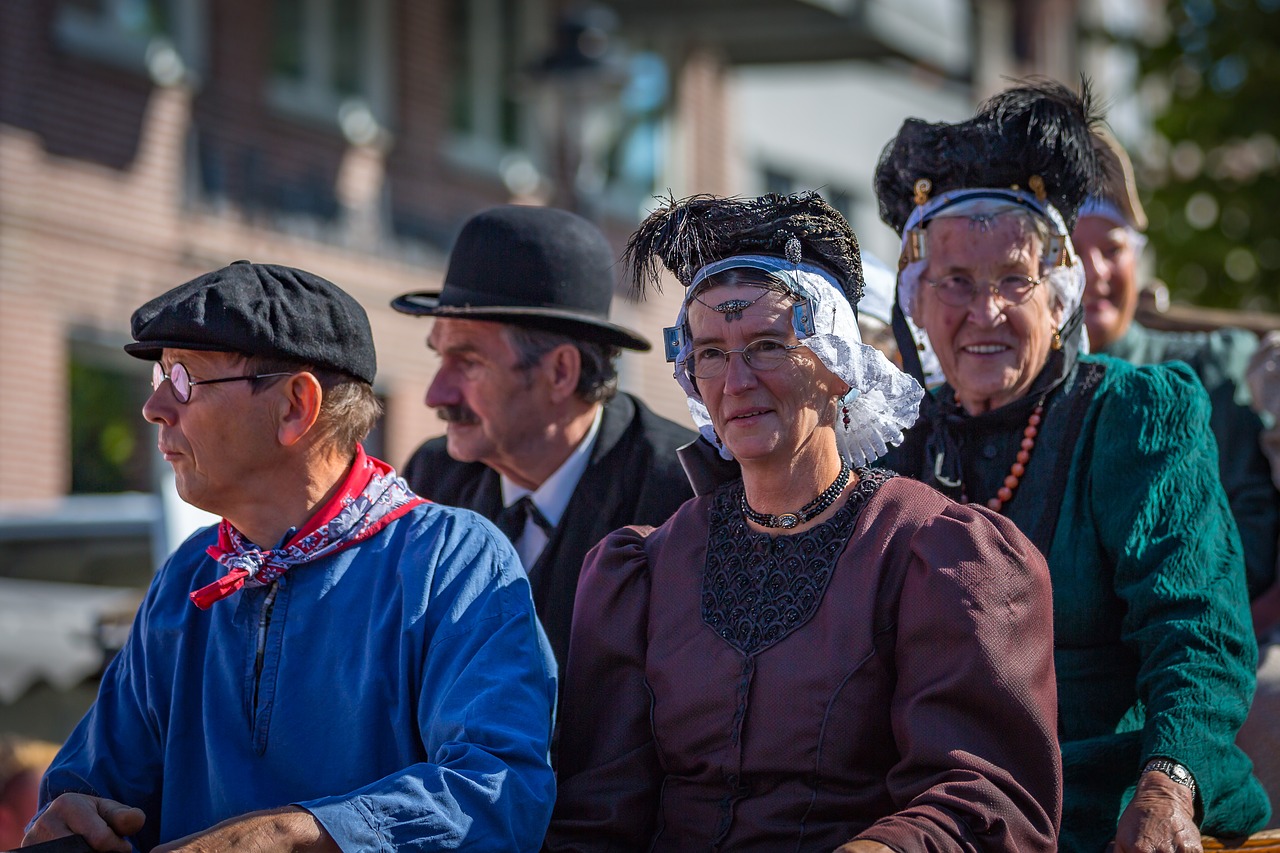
812,509
757,588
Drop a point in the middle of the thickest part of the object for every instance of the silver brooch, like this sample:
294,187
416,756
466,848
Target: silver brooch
792,250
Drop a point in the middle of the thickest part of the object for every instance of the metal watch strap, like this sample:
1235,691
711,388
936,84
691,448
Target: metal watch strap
1174,771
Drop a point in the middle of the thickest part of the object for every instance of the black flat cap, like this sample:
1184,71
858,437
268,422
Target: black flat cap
261,310
529,266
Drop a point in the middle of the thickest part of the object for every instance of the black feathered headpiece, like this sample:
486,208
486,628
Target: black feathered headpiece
1034,137
687,235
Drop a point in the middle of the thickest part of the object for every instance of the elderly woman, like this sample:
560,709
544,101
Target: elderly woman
1110,469
817,656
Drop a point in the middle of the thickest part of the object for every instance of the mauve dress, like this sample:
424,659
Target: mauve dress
887,675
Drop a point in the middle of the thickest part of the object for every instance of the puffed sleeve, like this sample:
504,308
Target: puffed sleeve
974,711
1164,518
608,774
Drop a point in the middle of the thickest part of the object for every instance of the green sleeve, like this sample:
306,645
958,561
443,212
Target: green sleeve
1163,518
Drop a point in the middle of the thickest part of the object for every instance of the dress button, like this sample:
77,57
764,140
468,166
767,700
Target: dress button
989,451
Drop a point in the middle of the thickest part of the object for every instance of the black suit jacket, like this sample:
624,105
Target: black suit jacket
633,477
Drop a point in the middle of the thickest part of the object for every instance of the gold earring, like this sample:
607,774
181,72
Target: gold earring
1057,340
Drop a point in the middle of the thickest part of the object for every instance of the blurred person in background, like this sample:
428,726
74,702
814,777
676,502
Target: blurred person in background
1109,239
1108,468
22,762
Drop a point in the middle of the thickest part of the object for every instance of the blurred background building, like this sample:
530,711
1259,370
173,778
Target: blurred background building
143,142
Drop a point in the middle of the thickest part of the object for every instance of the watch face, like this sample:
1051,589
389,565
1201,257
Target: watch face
1180,773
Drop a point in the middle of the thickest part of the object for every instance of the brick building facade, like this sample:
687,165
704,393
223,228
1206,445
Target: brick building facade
132,160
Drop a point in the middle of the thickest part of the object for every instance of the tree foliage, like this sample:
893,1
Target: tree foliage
1213,194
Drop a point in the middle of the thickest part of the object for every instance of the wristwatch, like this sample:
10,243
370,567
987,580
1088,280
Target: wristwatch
1174,771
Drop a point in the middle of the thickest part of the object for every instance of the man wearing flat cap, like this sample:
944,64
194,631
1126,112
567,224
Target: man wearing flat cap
537,437
339,664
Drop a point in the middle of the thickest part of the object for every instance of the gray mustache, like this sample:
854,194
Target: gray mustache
457,415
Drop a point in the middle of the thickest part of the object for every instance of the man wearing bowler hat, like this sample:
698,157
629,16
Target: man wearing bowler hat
338,664
538,439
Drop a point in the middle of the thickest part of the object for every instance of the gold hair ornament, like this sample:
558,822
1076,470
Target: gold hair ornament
922,188
1037,186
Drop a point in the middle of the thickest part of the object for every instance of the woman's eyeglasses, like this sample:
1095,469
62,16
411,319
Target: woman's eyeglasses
182,383
761,355
958,290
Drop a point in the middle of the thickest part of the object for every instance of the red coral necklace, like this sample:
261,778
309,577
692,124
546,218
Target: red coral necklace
1019,467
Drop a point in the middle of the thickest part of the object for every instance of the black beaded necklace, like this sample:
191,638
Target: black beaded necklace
815,507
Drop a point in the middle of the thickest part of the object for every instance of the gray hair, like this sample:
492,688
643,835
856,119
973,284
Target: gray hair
1058,279
348,408
598,379
1042,229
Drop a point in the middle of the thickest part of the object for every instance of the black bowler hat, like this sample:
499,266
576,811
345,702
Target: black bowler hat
261,310
529,266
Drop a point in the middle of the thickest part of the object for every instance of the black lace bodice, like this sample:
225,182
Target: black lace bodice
757,588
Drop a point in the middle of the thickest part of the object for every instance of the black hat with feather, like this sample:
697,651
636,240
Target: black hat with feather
687,235
808,247
1035,138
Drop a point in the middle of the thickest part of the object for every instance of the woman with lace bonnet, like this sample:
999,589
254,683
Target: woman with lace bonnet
818,656
1111,470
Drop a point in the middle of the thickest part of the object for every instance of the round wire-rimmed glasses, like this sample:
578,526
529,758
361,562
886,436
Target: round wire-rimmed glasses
959,290
182,383
761,355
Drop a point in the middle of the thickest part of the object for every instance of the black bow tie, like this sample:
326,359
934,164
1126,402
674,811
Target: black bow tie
512,519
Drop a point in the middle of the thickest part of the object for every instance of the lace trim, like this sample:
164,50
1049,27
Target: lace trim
756,588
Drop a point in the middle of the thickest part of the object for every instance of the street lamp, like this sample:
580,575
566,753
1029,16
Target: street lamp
583,73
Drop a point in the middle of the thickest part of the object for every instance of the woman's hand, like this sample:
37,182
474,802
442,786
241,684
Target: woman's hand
1160,819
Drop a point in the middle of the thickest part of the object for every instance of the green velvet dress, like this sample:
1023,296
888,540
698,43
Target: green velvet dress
1220,359
1154,648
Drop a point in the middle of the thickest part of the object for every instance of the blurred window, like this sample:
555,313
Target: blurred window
329,57
114,31
777,181
1023,32
111,444
841,199
488,56
635,160
162,38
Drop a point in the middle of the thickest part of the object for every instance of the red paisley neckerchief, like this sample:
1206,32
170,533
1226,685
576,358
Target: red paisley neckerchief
371,497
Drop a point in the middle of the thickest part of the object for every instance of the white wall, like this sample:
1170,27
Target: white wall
827,124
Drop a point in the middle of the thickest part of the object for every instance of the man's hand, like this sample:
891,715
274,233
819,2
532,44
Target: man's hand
1160,819
275,831
102,822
